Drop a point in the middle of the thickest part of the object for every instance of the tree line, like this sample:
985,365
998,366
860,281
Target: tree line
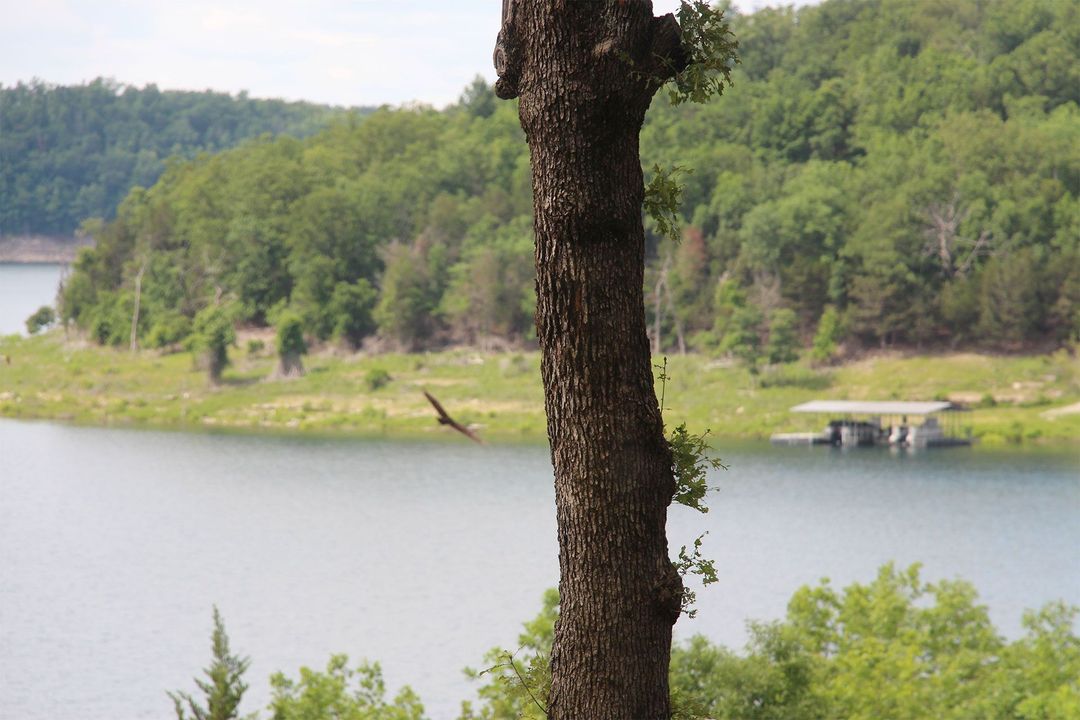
882,173
895,648
72,152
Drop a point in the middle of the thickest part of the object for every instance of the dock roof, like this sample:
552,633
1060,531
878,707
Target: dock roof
872,407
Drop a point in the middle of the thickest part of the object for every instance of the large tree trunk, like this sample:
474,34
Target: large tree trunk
582,106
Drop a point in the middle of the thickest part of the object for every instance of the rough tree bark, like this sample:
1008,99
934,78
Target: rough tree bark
585,73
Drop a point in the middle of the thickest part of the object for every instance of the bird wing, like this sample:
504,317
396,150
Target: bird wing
445,419
438,407
466,432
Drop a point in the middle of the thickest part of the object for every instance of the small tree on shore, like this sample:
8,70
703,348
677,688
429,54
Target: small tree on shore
42,318
783,344
212,334
827,336
743,338
224,687
290,344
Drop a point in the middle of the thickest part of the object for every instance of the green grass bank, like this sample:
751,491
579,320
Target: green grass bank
1014,400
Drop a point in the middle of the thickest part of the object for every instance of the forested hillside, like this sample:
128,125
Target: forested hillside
884,172
69,153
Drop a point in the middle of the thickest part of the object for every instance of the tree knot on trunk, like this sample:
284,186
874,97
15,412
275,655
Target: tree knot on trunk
668,56
507,55
668,591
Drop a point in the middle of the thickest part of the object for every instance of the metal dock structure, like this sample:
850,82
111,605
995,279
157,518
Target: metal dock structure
869,423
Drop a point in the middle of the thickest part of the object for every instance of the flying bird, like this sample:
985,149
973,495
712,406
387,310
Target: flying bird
445,419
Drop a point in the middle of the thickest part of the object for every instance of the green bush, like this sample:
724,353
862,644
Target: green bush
212,335
377,378
351,306
827,335
168,330
290,343
783,344
42,318
341,692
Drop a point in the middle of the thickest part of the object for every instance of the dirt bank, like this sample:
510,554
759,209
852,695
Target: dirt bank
40,248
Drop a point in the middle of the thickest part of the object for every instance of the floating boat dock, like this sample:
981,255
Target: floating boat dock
869,423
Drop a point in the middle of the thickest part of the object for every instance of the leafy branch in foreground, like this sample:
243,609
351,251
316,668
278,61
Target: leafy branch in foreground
223,690
663,195
694,563
536,674
520,682
690,464
712,51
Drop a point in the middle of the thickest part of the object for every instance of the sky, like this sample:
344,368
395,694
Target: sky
338,52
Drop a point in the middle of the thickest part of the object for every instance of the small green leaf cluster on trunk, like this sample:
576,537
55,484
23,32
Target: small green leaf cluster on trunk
663,195
712,50
690,465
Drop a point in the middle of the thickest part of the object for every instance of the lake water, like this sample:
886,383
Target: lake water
23,289
114,544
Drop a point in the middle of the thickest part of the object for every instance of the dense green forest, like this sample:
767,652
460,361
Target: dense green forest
882,173
70,153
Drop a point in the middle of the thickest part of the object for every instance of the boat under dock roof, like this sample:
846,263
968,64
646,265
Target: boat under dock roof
873,407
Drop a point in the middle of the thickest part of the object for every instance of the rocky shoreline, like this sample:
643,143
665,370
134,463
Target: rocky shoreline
41,248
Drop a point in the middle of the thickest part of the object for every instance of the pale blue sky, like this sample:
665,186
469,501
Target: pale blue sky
355,52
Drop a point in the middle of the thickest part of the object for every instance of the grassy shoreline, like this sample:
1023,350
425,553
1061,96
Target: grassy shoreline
1016,400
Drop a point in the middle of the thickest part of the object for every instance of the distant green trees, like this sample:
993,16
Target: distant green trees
743,337
212,335
827,336
910,168
68,153
291,346
783,344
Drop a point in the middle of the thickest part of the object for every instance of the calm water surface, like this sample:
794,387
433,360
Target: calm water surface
23,289
114,544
